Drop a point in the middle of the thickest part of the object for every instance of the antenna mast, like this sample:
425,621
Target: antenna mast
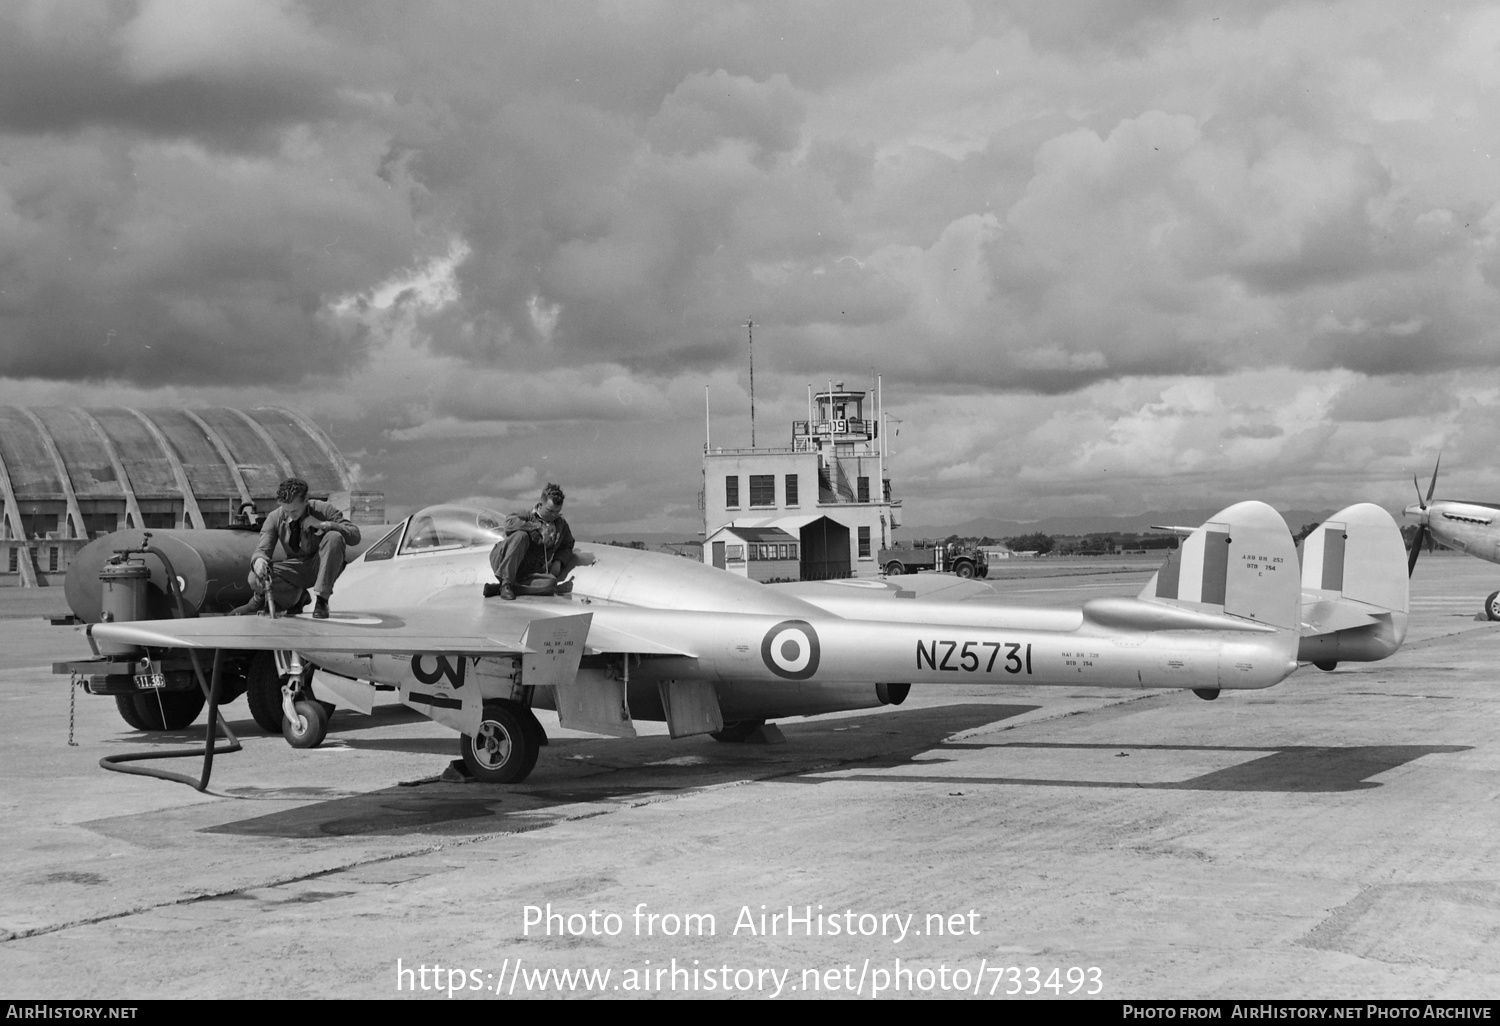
751,326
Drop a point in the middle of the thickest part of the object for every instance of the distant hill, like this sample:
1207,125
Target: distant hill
652,538
1136,523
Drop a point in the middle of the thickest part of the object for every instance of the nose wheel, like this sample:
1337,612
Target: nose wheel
1492,606
310,726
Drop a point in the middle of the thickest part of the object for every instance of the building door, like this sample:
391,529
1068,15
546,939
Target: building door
719,555
825,550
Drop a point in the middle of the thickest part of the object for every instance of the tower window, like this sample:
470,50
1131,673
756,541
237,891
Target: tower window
762,489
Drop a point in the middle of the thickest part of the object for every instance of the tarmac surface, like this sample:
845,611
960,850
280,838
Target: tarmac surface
1332,837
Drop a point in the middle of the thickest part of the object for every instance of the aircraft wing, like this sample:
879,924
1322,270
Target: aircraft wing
490,629
466,628
608,637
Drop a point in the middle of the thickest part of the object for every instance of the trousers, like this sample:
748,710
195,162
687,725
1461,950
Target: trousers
514,556
290,577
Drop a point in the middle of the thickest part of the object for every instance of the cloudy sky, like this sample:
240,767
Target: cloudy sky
1106,255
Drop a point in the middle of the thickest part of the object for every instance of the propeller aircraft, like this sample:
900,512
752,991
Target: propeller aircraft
1471,527
640,635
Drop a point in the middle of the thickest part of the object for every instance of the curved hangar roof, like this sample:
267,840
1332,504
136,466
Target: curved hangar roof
194,456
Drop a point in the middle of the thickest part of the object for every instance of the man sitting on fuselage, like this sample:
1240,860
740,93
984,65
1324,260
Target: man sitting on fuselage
536,542
313,534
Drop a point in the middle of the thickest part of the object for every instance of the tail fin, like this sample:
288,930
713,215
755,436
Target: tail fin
1354,588
1241,563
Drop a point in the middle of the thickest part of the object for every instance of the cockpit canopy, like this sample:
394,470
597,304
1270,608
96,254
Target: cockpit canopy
440,528
452,527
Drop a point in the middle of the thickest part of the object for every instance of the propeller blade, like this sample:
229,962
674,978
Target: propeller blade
1433,487
1420,503
1416,548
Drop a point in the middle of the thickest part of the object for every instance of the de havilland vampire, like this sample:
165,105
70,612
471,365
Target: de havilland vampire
652,636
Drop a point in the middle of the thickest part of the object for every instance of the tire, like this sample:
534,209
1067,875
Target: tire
308,733
738,731
894,568
126,706
534,727
1207,694
177,709
263,692
1492,606
235,675
505,750
964,569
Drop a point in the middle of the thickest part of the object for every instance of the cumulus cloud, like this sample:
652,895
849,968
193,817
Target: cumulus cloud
1101,252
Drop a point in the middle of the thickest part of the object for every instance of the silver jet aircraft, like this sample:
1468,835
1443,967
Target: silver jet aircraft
651,636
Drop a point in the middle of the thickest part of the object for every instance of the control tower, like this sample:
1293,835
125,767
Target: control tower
818,508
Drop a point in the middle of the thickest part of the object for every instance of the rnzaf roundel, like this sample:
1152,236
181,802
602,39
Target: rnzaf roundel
791,650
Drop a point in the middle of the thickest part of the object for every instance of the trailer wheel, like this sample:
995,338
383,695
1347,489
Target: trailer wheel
894,568
963,568
311,726
126,705
263,692
737,731
504,750
177,709
1492,606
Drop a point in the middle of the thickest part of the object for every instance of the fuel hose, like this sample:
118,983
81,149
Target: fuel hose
211,686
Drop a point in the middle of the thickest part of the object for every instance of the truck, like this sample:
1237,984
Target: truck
961,560
159,574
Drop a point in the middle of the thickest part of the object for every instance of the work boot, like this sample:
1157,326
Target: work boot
320,608
257,604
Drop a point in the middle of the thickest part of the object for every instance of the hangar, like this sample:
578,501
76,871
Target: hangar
69,474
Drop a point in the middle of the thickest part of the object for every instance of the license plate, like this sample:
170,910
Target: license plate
150,681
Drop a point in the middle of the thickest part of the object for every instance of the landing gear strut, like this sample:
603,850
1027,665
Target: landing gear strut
304,719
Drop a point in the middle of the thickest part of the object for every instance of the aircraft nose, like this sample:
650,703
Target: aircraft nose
1416,512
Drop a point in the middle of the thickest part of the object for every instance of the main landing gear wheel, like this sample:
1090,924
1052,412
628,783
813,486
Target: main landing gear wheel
533,726
739,730
504,750
1327,665
1207,694
177,709
1492,606
311,726
964,570
894,568
263,692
